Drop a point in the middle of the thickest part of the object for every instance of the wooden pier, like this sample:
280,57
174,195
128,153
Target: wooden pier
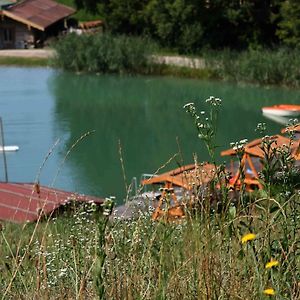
25,202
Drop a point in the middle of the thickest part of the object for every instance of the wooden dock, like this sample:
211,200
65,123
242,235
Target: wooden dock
25,202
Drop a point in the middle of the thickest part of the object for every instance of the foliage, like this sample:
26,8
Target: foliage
81,14
289,26
103,53
189,25
260,66
174,24
186,26
125,17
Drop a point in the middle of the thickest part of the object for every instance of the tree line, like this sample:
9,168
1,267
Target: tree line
187,26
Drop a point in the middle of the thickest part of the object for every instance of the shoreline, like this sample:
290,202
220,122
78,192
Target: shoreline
164,65
47,54
27,53
26,57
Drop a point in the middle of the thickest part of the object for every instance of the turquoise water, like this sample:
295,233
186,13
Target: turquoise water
139,120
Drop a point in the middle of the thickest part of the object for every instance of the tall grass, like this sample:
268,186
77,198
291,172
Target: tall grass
247,251
262,66
103,53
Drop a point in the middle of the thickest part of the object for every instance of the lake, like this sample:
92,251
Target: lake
139,121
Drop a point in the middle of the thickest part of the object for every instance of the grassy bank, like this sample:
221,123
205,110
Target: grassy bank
229,245
202,257
266,67
24,61
120,54
130,55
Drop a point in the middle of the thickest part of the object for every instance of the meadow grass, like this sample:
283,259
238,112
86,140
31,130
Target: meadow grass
24,61
201,257
261,66
233,246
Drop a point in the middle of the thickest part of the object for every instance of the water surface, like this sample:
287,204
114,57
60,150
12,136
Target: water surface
140,117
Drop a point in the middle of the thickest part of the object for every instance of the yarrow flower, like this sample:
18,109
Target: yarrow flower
248,237
188,105
272,263
238,146
269,292
261,127
108,205
214,101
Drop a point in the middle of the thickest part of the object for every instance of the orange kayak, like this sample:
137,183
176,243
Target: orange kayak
288,110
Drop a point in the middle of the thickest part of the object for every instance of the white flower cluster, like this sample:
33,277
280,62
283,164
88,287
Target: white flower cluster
214,101
238,146
108,205
261,127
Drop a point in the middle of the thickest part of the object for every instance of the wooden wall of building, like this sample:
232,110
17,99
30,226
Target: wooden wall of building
15,35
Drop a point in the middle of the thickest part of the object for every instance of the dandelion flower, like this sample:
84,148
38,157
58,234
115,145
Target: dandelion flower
272,263
269,292
248,237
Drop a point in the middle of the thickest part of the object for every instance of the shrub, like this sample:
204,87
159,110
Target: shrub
103,53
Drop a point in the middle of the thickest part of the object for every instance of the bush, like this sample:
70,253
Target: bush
257,66
103,53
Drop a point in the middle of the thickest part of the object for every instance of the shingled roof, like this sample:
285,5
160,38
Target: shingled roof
23,202
38,14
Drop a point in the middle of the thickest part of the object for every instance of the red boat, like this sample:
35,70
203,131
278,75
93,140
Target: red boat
283,110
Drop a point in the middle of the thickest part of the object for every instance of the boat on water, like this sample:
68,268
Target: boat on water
9,148
282,120
282,110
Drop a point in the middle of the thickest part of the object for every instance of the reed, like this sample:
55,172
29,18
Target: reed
260,66
103,53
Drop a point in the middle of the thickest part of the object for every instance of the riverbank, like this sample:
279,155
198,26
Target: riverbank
46,54
177,66
263,67
26,57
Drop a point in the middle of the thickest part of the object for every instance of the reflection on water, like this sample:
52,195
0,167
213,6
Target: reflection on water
146,115
142,114
278,119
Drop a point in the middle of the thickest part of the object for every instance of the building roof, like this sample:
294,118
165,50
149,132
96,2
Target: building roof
38,14
24,202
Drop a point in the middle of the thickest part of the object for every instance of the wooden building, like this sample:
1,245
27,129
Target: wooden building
27,24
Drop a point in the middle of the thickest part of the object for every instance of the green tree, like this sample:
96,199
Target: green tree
289,24
125,16
176,23
189,25
244,23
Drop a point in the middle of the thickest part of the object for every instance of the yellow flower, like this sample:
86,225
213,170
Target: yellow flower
248,237
272,263
269,292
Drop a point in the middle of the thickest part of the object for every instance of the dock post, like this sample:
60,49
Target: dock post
4,155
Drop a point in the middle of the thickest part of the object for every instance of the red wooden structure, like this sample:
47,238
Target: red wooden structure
253,156
186,177
24,202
